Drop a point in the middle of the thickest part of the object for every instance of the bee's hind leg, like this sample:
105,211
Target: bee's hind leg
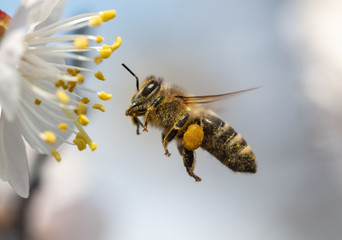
189,161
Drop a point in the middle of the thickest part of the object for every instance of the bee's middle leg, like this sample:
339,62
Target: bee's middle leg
173,132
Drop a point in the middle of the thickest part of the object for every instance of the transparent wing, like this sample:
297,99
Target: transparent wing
211,98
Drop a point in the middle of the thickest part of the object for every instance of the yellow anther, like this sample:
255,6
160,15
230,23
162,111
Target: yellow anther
49,137
82,108
99,75
80,78
70,71
83,120
71,89
63,97
99,39
95,21
37,101
108,15
104,96
97,59
56,155
59,83
77,70
81,43
80,141
85,100
105,53
72,83
92,146
63,126
193,137
105,46
99,107
117,43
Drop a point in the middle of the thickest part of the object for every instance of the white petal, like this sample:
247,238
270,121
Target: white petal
13,156
39,10
54,15
11,50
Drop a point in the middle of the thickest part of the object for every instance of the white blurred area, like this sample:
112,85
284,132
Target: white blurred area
127,189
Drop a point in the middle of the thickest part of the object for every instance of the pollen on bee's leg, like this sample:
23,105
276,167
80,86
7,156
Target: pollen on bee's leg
48,137
104,96
81,43
193,137
99,107
63,97
63,126
99,75
56,155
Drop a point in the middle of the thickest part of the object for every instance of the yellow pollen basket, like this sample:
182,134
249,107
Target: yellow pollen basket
49,137
99,75
63,97
193,137
81,43
99,107
105,96
107,15
56,155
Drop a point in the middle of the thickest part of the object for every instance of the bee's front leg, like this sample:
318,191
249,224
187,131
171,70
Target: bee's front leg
189,161
173,132
137,123
153,106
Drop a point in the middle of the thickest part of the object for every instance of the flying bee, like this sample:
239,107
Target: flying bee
181,118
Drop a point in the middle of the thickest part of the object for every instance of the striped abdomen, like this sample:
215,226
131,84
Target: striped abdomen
221,140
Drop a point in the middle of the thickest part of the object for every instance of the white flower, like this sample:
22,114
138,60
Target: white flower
37,92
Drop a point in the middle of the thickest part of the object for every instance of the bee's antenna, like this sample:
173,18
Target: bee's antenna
129,70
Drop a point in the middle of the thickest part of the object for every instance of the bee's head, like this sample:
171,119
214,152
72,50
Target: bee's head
145,95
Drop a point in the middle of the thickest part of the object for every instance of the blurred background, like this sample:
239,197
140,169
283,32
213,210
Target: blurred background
128,189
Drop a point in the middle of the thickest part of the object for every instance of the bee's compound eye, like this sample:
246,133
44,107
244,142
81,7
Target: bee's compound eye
149,88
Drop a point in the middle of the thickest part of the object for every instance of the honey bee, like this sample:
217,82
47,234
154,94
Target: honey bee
181,118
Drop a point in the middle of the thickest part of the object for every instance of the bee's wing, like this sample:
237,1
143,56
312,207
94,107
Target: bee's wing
210,98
